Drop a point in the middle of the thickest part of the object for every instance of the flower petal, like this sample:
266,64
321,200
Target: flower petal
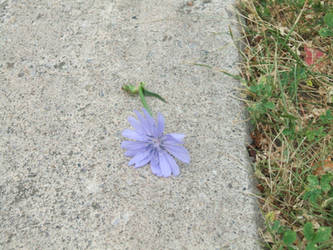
143,162
151,122
134,145
179,152
136,125
148,116
132,153
173,139
160,124
146,126
155,164
131,134
172,163
178,137
140,159
164,164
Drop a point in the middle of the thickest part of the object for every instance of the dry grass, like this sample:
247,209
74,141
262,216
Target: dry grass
290,101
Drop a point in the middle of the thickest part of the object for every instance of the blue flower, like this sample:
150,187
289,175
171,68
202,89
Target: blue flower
152,146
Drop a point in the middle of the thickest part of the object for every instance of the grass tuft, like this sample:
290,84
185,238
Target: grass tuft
288,70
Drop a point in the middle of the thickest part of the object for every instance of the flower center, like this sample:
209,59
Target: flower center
156,142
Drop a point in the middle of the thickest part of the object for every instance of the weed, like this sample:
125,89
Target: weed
288,71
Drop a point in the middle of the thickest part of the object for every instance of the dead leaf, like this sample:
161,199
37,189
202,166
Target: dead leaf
326,167
252,152
312,57
268,237
261,188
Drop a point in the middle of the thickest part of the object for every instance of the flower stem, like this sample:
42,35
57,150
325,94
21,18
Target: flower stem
142,92
142,97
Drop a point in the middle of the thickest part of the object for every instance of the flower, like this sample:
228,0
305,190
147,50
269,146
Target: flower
152,146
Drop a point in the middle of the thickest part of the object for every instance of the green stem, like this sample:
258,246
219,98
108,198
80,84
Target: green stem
142,97
142,92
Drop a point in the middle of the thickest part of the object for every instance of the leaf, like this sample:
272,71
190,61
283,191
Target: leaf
313,181
309,83
300,73
289,237
148,93
323,234
327,118
328,19
325,32
270,216
300,3
281,230
308,231
325,182
314,196
313,191
312,55
269,105
276,225
311,246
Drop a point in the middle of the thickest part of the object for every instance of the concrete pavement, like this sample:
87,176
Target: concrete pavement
64,180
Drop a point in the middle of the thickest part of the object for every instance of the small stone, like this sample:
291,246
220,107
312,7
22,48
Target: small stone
10,65
95,205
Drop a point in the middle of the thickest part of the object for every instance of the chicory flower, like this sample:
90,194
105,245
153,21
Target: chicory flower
152,146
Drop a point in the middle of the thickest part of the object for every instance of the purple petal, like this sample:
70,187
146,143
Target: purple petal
173,139
178,137
131,134
151,122
172,163
146,126
140,159
164,164
134,145
179,152
130,153
136,125
160,124
150,119
155,165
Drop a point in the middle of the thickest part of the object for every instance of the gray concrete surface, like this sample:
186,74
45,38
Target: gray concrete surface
64,180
